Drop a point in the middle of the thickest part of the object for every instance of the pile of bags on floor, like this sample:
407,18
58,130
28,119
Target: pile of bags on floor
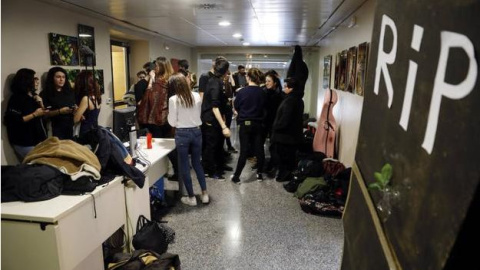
151,244
321,185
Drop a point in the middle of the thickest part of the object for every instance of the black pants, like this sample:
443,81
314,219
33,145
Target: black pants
228,122
286,154
213,158
251,140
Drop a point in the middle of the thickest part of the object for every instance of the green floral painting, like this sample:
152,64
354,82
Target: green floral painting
63,50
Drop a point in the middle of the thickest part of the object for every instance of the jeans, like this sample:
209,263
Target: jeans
190,140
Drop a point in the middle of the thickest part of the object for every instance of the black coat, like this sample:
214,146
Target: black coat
288,125
298,69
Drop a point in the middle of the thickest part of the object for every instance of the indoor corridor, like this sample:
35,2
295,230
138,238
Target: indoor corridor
254,225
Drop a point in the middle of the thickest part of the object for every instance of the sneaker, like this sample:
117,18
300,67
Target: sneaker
235,179
205,198
192,201
232,150
218,177
259,177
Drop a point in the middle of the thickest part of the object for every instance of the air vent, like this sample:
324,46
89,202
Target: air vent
209,6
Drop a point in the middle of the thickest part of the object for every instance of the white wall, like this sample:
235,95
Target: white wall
25,28
348,110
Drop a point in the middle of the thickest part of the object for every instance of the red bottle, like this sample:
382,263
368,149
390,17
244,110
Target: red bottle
149,140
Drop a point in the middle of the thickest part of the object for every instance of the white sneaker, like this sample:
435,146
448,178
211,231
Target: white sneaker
205,198
192,201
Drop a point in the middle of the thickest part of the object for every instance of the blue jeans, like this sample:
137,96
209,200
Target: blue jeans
189,140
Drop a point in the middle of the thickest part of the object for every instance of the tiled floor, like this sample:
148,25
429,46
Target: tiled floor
255,225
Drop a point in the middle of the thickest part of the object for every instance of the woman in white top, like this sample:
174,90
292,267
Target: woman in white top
184,114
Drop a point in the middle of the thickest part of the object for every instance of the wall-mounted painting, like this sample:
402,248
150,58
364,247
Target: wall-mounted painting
362,58
72,74
86,38
337,71
327,66
342,70
351,70
63,50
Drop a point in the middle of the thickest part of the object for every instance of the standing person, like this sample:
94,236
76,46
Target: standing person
59,98
214,128
229,108
23,117
249,104
89,99
203,81
184,114
287,130
240,78
274,96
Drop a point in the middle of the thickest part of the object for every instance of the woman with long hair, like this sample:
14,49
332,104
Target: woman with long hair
23,117
249,104
59,98
184,114
89,98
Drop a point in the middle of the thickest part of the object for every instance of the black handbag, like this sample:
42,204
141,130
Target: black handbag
152,235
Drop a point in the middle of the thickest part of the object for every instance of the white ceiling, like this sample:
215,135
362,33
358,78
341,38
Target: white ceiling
195,22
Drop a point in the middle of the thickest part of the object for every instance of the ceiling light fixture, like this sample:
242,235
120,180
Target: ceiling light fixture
84,35
237,35
224,23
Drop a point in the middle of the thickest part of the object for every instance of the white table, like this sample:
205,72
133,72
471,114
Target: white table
138,199
63,233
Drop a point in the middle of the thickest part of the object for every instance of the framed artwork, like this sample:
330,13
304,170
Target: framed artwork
327,66
86,38
362,58
342,70
337,71
351,70
63,50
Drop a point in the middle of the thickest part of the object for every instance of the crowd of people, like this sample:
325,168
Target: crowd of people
169,105
28,110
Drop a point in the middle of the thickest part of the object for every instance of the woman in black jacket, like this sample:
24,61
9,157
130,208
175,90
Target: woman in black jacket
59,97
287,131
23,117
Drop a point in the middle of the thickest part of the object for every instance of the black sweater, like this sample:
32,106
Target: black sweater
19,132
250,104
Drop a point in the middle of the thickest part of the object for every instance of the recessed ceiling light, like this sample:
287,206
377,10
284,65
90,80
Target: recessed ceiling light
246,43
237,35
224,23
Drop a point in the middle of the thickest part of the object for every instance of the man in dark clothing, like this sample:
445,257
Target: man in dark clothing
213,124
287,131
240,78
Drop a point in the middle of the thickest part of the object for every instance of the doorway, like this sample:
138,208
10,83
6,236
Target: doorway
120,72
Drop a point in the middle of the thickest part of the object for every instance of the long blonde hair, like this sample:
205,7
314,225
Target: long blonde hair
178,84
